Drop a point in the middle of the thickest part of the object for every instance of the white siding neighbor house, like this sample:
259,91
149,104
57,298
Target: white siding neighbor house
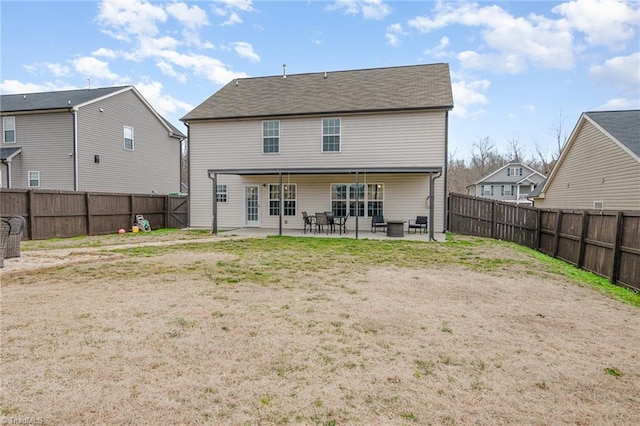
599,167
361,142
104,140
511,183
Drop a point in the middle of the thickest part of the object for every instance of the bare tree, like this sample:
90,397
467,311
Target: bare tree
515,150
484,157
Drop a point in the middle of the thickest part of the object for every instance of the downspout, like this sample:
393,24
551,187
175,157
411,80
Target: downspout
357,202
8,164
432,208
446,172
74,112
189,174
280,203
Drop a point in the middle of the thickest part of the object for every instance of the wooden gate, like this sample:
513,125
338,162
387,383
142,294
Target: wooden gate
178,211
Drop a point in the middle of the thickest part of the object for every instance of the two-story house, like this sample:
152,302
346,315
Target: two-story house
512,183
599,167
105,140
364,142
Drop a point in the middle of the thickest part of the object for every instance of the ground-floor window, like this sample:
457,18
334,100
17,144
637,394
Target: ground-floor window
354,198
507,190
222,193
288,197
486,190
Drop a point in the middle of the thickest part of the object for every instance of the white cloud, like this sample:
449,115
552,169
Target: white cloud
622,71
191,17
439,51
162,103
93,68
133,17
57,70
168,70
8,87
467,94
605,22
105,53
392,34
512,42
621,103
370,9
246,51
231,9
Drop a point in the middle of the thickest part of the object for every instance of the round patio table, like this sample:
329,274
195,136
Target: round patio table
395,228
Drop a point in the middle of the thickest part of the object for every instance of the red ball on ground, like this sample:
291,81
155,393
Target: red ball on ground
121,231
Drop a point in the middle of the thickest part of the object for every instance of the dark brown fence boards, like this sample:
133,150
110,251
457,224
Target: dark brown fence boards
67,214
606,243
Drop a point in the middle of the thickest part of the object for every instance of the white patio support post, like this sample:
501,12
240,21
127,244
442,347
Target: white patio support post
280,202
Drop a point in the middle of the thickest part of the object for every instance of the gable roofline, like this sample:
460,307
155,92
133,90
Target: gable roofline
584,118
510,165
621,144
372,90
66,100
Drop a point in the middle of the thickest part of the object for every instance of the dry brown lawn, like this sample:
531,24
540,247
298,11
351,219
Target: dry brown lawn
296,331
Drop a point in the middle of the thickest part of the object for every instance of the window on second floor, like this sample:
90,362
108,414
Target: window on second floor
8,129
288,198
222,193
271,137
514,171
34,179
330,135
128,138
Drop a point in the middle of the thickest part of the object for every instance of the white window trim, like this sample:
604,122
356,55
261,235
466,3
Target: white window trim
4,129
29,179
263,136
225,191
124,138
295,199
598,205
365,200
322,135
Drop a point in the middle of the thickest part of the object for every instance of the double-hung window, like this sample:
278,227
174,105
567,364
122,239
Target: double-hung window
34,179
353,198
288,198
222,193
271,137
486,190
514,171
8,129
128,138
507,190
330,135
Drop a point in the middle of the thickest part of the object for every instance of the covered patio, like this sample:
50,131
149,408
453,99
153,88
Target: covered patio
432,172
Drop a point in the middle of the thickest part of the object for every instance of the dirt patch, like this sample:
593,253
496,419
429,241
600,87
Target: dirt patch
164,340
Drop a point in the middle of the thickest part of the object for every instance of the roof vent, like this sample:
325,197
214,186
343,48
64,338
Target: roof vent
284,70
236,83
24,96
325,74
69,102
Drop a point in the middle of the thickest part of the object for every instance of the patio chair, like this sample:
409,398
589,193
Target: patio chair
142,223
308,222
16,224
4,238
342,223
321,222
377,221
332,221
420,223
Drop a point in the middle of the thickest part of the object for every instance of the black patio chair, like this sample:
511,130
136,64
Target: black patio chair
321,222
308,222
420,223
377,221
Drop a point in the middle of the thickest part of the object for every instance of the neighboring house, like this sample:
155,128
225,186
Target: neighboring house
599,167
363,142
513,183
105,140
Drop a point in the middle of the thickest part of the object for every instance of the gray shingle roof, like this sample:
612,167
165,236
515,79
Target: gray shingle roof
415,87
52,100
64,99
9,153
622,125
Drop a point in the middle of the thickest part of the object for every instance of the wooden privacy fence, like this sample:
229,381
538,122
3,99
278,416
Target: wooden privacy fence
69,213
604,242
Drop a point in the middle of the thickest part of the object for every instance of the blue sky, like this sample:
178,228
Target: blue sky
518,68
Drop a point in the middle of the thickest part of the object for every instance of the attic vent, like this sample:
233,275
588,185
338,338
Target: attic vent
24,96
236,83
284,70
598,205
325,74
69,102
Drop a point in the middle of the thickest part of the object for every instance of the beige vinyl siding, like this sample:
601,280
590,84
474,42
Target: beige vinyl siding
405,196
407,139
594,169
46,141
154,163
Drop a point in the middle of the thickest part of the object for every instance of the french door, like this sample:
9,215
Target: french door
252,205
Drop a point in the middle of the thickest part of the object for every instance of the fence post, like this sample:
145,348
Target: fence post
538,228
32,216
88,208
131,206
583,235
493,220
556,241
166,211
616,248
